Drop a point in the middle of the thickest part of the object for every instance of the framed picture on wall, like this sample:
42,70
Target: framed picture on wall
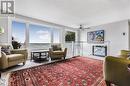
95,36
69,36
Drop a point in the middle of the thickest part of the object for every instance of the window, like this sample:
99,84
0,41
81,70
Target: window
39,34
18,31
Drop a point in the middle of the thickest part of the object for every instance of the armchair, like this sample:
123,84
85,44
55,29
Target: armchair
15,57
125,53
56,51
116,71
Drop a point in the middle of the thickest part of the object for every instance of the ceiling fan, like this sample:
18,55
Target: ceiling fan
81,27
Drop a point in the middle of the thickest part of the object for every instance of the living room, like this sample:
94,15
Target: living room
65,43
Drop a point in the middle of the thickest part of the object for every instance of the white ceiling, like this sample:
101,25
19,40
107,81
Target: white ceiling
74,12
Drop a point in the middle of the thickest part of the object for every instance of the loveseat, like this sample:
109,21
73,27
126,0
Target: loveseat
15,57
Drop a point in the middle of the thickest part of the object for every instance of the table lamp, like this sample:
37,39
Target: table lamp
1,30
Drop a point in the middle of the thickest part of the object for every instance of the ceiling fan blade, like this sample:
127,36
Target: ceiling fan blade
82,28
87,28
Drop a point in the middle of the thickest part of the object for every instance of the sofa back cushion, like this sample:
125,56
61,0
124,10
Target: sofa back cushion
56,47
125,53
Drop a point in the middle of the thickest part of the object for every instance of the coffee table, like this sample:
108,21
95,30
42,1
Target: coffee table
39,55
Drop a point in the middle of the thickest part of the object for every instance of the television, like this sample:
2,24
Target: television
99,50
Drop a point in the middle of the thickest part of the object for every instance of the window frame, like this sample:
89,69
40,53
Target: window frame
27,23
41,26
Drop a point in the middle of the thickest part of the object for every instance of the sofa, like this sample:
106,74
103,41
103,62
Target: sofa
56,52
15,57
116,71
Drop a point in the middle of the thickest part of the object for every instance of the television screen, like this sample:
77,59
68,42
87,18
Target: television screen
100,50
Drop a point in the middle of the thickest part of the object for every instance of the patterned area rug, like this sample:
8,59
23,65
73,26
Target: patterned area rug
79,71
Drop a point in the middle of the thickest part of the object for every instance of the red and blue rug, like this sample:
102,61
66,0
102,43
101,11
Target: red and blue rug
79,71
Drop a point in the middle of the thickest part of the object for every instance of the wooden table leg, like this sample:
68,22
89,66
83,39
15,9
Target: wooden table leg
31,56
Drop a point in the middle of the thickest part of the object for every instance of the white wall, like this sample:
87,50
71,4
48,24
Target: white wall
114,37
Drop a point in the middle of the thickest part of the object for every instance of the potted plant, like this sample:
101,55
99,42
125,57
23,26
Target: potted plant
15,44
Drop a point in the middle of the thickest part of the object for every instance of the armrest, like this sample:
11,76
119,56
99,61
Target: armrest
20,51
3,60
65,51
50,51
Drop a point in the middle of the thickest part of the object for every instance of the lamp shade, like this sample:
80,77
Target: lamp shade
1,30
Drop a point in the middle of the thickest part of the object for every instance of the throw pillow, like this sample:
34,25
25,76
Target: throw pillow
6,50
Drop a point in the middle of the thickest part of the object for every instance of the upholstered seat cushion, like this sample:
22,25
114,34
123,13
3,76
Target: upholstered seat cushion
13,57
58,52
